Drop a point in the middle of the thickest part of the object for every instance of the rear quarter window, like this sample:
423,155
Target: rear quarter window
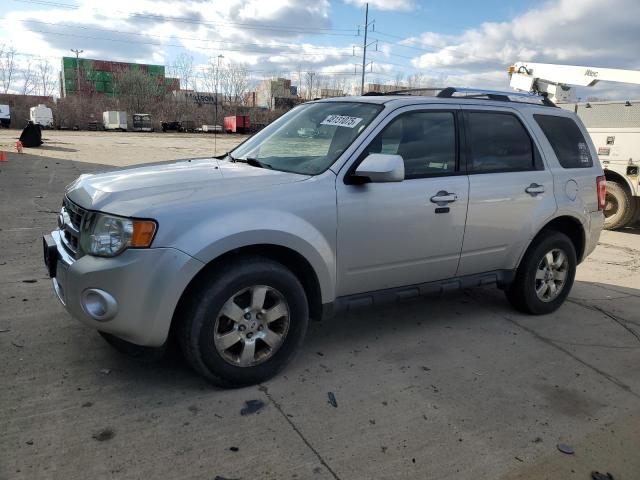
567,141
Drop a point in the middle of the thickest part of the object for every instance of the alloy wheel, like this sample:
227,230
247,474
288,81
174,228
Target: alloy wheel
551,275
251,326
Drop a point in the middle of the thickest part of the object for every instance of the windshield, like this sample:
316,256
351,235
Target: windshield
309,138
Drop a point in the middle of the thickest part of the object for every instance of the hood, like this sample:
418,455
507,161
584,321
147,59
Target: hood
138,191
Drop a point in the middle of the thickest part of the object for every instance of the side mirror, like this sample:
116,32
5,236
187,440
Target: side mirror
380,168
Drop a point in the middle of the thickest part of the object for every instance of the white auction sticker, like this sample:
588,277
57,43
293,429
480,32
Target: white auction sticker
341,121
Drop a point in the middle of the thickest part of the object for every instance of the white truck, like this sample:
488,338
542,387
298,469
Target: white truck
614,126
114,120
5,116
41,115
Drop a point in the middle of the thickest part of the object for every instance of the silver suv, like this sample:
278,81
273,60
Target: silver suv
392,197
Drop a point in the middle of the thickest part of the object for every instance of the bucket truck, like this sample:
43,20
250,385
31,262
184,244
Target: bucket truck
614,127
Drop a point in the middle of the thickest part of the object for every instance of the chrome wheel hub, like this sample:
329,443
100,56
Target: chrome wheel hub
251,326
551,275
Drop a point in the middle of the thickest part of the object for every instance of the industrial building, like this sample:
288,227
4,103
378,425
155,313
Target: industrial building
89,76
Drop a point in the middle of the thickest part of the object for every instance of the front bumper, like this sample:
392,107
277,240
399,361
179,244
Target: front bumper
145,283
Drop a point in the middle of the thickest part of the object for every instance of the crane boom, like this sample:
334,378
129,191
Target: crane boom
557,81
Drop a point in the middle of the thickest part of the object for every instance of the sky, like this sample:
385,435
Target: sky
446,43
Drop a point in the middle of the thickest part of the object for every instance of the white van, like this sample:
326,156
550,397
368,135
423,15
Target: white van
41,115
5,116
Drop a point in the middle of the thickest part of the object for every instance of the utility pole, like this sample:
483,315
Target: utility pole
365,45
215,126
77,52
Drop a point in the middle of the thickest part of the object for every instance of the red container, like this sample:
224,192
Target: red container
236,124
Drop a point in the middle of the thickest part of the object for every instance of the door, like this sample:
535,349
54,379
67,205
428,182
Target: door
510,191
409,232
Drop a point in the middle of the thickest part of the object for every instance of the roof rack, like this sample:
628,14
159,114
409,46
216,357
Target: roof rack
495,95
474,93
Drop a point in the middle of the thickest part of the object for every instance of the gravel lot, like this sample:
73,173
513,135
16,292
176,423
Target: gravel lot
458,386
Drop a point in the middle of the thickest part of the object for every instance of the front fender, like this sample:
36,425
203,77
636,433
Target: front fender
217,236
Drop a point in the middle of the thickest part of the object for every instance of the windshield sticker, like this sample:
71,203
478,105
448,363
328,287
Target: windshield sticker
341,121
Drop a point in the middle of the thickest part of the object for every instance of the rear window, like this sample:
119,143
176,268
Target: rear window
498,143
567,141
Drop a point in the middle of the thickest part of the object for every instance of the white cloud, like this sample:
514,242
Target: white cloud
404,5
581,32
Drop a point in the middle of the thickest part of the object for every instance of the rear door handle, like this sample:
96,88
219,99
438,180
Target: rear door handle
443,197
534,189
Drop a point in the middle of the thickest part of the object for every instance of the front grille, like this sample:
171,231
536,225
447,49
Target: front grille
76,213
72,216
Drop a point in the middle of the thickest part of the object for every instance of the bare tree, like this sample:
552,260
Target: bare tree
310,83
235,83
45,78
137,90
182,67
28,77
7,67
398,80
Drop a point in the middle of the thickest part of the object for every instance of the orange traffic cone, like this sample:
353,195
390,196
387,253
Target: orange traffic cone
3,156
19,146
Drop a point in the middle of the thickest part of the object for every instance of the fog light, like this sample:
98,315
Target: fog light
99,304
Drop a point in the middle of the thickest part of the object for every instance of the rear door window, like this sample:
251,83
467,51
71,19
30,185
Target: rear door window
498,142
567,141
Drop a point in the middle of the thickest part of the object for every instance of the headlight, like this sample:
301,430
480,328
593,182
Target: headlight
107,235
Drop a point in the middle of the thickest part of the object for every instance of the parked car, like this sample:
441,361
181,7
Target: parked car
41,115
183,126
5,116
398,197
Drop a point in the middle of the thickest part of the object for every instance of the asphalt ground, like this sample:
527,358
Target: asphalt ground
457,386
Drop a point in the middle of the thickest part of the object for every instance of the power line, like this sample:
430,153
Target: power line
262,71
251,26
123,32
226,49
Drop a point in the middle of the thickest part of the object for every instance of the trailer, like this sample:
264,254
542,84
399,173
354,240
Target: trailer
237,124
114,120
5,116
41,115
142,122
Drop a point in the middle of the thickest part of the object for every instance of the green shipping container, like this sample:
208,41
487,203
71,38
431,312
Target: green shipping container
103,76
99,87
68,62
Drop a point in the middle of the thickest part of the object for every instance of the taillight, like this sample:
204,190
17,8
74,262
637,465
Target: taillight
601,185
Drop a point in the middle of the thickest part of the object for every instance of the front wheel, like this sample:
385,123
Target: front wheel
545,275
244,323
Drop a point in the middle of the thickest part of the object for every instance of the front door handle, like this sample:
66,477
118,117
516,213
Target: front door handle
443,197
534,189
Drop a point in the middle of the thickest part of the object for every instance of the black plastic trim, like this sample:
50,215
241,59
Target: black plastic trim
388,296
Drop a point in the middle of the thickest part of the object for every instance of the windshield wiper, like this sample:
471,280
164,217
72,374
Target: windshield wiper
257,163
254,162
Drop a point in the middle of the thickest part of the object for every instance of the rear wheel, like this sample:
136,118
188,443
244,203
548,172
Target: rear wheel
620,207
244,324
545,275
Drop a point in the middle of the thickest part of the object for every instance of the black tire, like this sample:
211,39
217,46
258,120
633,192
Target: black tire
197,320
137,352
522,292
620,201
